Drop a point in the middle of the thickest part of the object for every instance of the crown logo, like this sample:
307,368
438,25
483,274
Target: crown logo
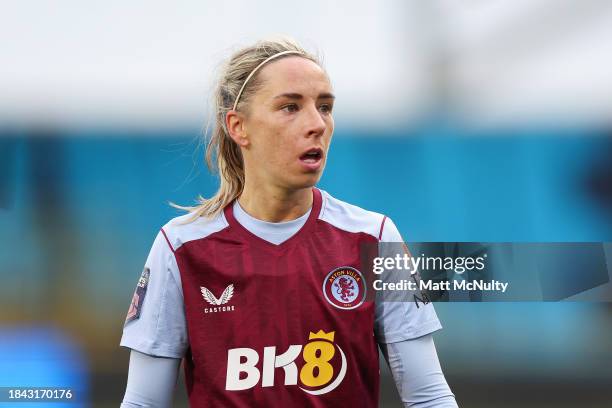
322,335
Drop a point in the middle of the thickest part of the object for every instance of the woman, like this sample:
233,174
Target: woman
258,288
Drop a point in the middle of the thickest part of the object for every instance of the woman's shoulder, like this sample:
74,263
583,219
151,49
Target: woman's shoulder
185,228
350,217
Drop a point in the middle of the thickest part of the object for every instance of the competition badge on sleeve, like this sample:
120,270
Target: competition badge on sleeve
138,298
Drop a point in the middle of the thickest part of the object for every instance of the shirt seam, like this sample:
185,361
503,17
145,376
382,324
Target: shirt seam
401,335
150,348
162,302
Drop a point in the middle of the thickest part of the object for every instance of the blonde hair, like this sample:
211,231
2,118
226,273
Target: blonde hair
221,149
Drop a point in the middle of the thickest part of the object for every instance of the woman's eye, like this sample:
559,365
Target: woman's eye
325,108
290,108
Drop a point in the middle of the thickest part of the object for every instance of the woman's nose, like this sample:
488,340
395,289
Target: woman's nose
315,124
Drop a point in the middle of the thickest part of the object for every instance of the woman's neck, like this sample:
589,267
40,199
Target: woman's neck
274,204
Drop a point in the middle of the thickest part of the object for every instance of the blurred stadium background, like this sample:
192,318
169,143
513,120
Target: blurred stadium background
483,121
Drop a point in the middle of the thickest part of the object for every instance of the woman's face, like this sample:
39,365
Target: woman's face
289,124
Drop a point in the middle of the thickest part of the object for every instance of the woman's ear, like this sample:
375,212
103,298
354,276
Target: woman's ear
235,124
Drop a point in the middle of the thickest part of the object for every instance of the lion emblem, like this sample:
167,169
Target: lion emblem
344,287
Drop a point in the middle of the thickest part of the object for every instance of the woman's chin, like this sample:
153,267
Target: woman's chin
304,181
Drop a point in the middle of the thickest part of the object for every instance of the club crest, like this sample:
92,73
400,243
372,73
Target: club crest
344,288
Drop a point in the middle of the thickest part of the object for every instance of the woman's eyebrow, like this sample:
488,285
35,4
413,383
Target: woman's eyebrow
297,96
289,95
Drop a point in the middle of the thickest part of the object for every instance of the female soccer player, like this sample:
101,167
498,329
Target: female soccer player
259,289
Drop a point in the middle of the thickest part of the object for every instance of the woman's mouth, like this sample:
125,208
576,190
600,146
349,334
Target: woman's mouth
312,158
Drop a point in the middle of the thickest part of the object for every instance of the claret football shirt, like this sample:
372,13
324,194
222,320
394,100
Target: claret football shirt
273,324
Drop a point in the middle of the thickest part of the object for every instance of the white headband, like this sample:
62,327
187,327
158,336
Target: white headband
255,70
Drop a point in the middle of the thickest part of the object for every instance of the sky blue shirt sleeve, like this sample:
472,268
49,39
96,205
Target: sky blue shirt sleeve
151,381
401,320
417,373
159,329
